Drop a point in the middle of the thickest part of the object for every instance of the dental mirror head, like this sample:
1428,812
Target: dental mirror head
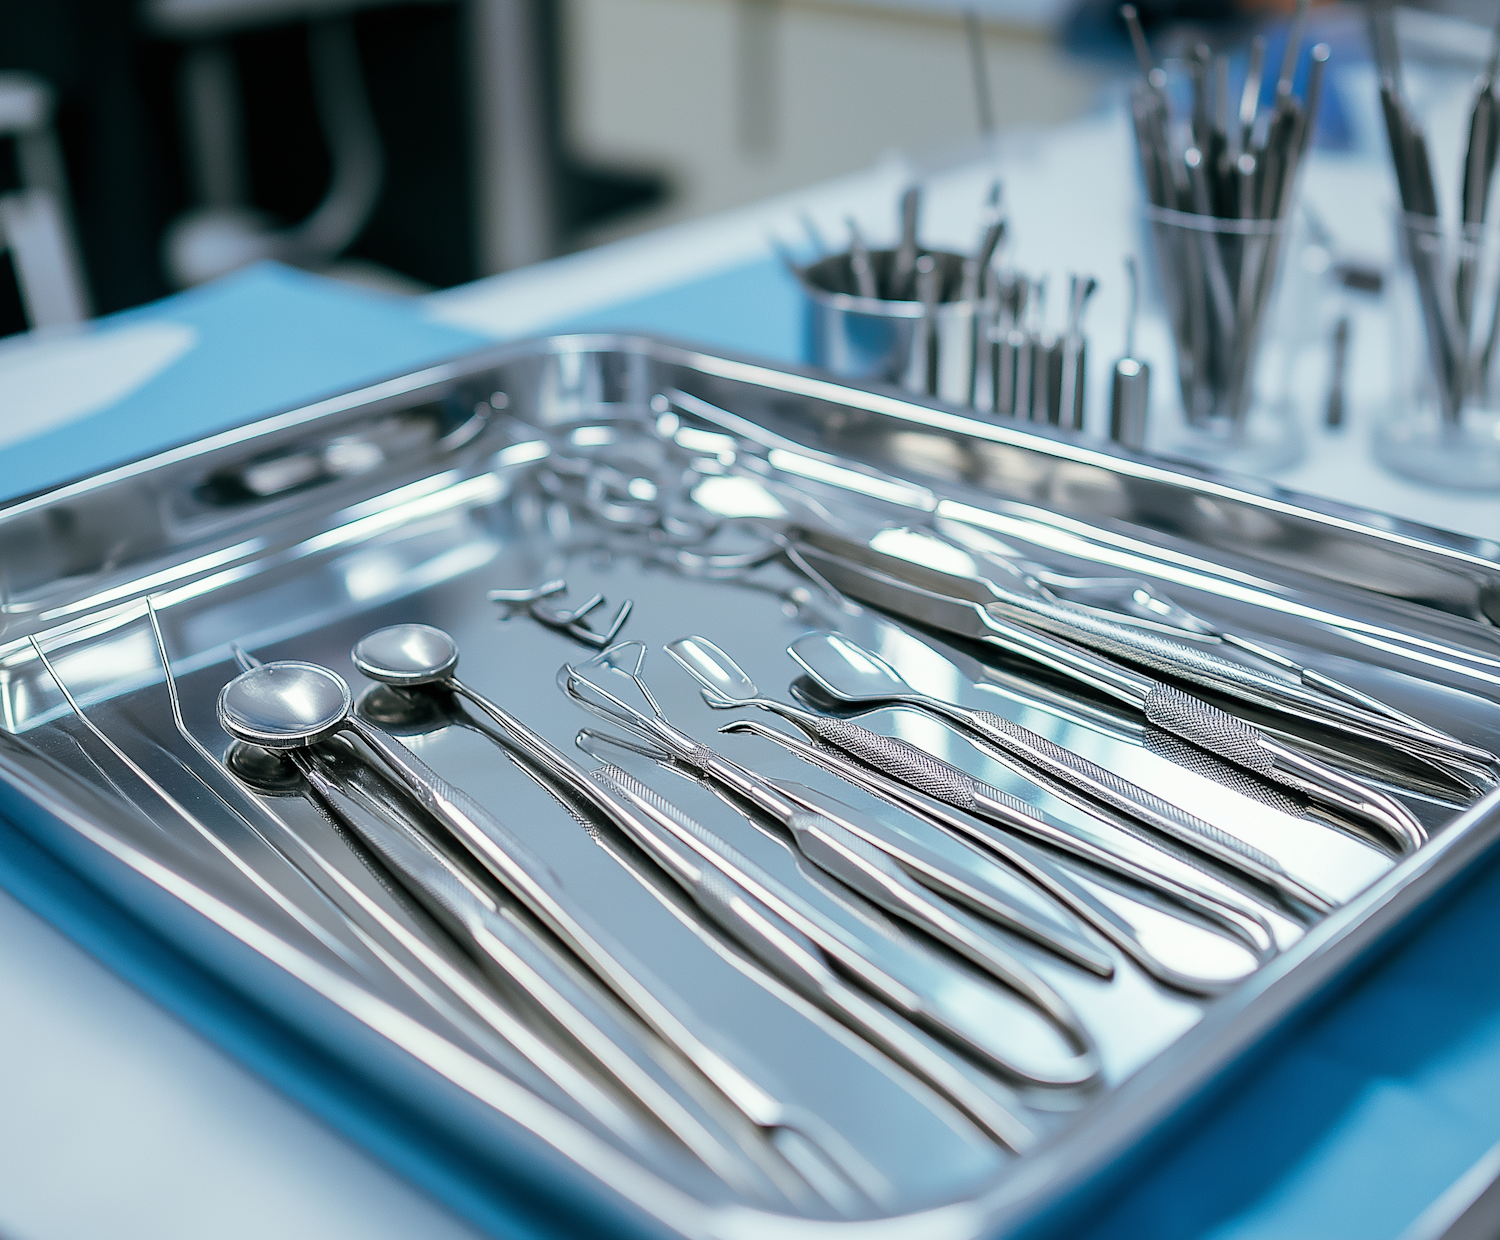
284,705
406,655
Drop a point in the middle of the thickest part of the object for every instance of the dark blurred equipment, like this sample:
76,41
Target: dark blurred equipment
421,138
225,232
386,89
36,226
1333,413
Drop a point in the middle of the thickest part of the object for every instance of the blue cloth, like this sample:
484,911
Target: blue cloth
1362,1119
268,338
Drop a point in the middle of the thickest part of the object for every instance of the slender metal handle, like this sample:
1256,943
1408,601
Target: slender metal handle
952,786
724,868
1084,666
1241,924
1239,742
737,1087
1136,802
1202,667
797,962
1230,738
814,1137
506,950
534,884
773,926
553,760
935,875
768,798
468,918
957,788
1066,658
1218,732
874,875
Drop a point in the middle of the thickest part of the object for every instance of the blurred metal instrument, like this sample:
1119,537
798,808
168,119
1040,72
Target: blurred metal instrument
1130,392
984,101
1133,601
1333,413
1013,350
1073,357
992,232
919,366
1045,366
859,263
903,269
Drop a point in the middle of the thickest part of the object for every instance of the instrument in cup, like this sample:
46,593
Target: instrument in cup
1219,190
948,324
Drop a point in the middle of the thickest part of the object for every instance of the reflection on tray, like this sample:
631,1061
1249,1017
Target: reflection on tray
1041,803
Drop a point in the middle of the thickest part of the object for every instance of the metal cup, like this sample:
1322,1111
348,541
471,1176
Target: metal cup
889,340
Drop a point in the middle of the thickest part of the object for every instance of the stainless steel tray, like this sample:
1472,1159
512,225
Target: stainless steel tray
580,457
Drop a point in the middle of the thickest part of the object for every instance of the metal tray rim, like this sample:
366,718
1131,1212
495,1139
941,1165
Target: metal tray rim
1054,1177
810,383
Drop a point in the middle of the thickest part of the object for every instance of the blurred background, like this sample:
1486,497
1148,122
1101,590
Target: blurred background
150,145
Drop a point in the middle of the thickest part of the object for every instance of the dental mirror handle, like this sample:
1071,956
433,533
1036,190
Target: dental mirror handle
502,947
527,877
458,811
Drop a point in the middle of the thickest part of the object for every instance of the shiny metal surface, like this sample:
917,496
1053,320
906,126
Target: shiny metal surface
412,655
727,687
854,676
639,470
285,705
1184,715
406,655
1167,949
292,706
826,834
